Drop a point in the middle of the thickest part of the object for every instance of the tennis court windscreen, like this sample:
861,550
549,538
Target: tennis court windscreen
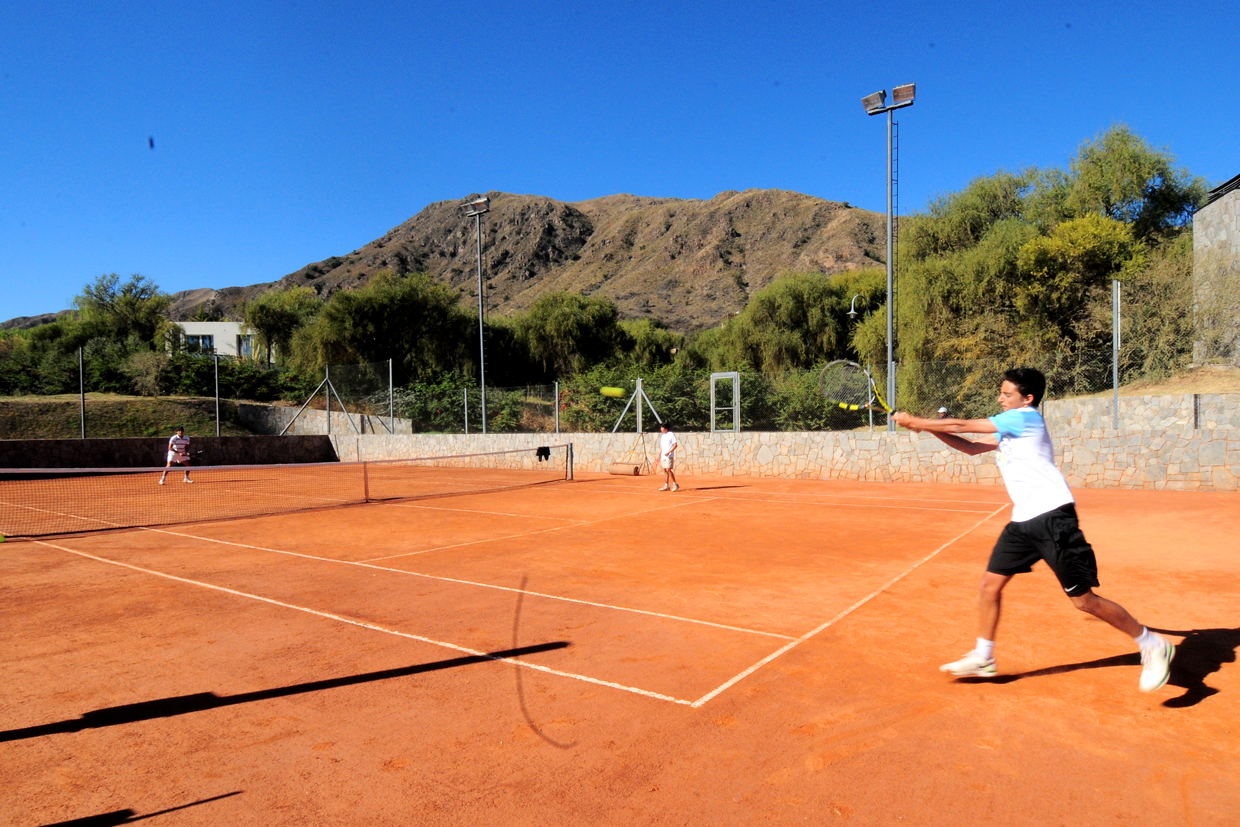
37,502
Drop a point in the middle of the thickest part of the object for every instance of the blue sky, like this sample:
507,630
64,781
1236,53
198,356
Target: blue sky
288,132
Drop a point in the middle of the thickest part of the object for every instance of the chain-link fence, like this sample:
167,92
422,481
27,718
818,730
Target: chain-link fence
453,406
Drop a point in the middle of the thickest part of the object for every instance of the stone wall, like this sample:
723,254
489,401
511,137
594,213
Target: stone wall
271,419
1175,459
149,452
1144,413
1216,279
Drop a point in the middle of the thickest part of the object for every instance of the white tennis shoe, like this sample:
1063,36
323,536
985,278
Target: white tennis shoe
971,665
665,488
676,487
1156,665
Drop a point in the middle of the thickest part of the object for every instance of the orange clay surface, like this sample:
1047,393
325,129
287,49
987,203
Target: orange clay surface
744,651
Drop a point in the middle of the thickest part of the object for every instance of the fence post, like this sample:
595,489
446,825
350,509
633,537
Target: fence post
327,394
216,357
467,412
82,390
391,399
1115,344
557,408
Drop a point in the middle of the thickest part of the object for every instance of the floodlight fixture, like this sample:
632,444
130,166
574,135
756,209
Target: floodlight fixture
904,94
478,206
874,103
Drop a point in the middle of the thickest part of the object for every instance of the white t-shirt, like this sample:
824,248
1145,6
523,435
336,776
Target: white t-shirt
667,445
1027,462
178,448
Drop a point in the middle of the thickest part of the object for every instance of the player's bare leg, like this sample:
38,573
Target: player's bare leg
990,603
1110,611
980,663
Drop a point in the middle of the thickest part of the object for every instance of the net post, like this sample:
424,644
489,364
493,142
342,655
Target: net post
569,462
365,479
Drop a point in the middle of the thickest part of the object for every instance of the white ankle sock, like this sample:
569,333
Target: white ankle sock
1146,639
985,648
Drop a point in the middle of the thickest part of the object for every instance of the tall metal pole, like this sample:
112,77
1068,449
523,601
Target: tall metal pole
482,356
82,390
216,357
327,393
1115,345
467,412
391,400
891,373
557,408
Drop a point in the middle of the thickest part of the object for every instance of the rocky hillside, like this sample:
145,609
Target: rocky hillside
689,262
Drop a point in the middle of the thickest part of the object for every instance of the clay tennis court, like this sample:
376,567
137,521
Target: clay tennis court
744,651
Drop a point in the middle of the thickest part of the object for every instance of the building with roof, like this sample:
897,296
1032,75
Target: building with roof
1216,277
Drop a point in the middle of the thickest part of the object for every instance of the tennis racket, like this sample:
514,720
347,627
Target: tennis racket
850,386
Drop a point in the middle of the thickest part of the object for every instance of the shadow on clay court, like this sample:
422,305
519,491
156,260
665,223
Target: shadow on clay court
185,704
1203,652
117,817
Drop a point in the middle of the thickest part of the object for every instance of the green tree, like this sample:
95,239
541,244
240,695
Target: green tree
276,316
137,308
1059,271
1122,177
567,332
410,318
796,321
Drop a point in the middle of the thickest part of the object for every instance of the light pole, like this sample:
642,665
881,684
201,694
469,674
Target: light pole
476,208
875,104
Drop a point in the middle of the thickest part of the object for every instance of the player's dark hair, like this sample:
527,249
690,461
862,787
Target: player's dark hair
1029,381
665,424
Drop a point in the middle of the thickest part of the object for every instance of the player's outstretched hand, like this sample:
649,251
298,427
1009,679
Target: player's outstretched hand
903,419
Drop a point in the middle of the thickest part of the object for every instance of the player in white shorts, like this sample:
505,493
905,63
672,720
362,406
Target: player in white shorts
178,452
667,457
1043,527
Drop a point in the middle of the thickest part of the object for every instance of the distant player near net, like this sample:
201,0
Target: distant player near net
178,452
667,457
1043,527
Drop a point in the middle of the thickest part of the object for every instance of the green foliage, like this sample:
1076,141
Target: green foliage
1120,176
135,309
411,319
566,332
795,322
275,317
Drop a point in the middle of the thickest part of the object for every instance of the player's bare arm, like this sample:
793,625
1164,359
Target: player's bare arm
946,431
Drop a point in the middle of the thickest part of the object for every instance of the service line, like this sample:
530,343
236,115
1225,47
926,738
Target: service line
736,679
371,626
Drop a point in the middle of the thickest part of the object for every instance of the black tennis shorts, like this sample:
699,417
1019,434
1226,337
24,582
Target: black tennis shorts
1054,537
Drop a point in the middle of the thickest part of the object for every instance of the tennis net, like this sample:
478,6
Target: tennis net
37,502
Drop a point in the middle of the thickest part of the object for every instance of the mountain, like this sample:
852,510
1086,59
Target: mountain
690,262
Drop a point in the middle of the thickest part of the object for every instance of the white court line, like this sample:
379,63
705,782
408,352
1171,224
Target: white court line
474,583
841,615
371,626
742,497
539,531
476,511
